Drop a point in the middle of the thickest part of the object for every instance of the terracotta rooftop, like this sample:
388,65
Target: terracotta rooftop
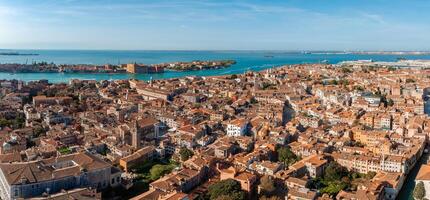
52,168
424,173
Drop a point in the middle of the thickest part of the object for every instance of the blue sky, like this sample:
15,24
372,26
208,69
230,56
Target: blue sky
216,25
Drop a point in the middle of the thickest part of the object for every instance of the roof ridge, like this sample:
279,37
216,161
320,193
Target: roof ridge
19,176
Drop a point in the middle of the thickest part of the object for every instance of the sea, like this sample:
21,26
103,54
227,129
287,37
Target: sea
245,61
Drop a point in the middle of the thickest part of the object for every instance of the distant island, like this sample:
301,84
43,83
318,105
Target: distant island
369,52
133,68
197,65
17,54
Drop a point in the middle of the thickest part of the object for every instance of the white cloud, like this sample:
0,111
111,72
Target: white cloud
270,9
7,11
374,18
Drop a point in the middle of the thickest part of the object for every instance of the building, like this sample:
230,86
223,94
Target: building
368,190
237,127
266,167
192,97
176,182
149,93
79,193
301,194
39,100
393,183
247,180
368,163
147,128
312,166
33,179
143,69
140,156
134,132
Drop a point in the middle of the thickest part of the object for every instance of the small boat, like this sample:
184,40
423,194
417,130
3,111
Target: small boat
269,56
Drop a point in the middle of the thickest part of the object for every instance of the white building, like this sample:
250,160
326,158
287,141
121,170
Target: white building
237,127
373,100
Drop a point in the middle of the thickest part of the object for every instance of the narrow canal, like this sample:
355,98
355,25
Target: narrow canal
408,187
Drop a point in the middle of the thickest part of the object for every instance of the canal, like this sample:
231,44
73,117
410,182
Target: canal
408,187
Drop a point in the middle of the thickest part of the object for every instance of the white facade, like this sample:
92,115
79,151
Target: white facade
235,131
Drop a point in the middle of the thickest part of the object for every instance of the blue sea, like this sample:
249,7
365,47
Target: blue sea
246,60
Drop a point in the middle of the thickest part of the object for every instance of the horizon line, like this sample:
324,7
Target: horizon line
276,50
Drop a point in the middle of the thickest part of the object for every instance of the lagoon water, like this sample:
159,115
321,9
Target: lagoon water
246,60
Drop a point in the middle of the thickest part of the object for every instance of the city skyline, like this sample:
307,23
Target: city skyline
214,25
214,99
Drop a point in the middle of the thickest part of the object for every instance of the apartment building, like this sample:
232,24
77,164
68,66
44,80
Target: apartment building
32,179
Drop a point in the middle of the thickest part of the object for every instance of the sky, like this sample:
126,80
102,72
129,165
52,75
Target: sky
215,25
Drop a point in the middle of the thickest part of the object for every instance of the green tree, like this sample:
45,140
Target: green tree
334,172
391,68
384,99
158,171
344,82
64,150
286,156
419,191
38,131
185,153
333,82
4,122
267,185
390,102
335,179
19,122
223,197
334,187
267,86
226,189
409,80
346,70
370,175
270,198
358,87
